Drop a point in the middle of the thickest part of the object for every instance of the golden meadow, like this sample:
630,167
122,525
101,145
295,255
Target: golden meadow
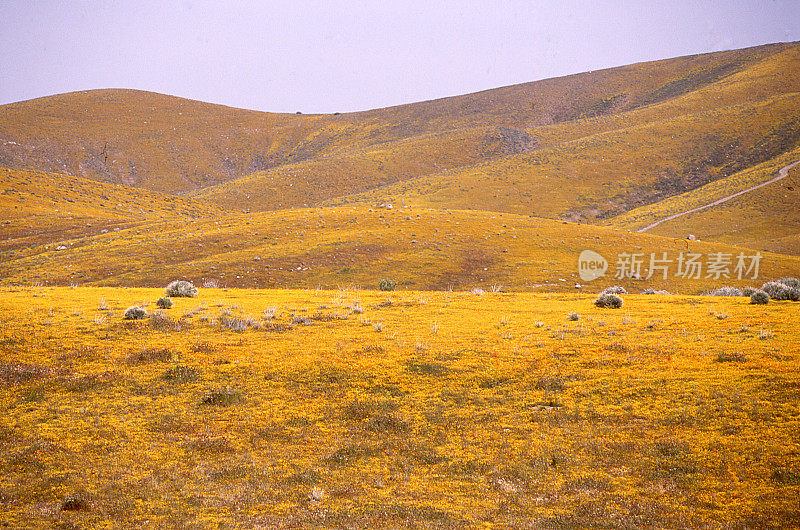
355,408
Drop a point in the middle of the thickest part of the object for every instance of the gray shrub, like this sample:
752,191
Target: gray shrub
164,303
181,288
759,297
135,312
609,300
779,291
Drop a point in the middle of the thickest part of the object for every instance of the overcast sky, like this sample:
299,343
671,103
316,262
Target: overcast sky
329,56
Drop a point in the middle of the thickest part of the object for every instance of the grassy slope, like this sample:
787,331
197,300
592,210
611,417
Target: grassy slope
330,247
611,172
171,144
676,88
695,127
312,181
144,139
766,218
40,208
463,411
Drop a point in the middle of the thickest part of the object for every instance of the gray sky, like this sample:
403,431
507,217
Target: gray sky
328,56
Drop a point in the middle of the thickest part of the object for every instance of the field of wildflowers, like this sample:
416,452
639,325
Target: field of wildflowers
350,408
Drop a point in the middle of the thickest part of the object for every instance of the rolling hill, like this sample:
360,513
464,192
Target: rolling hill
750,91
608,173
766,218
39,208
489,189
172,145
421,248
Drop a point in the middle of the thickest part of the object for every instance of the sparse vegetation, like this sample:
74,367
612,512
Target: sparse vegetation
615,289
731,357
759,297
609,300
364,400
726,291
148,355
164,303
224,397
181,374
181,288
135,313
387,285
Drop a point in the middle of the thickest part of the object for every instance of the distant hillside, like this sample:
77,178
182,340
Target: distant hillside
292,200
608,173
767,218
590,168
39,208
337,247
172,145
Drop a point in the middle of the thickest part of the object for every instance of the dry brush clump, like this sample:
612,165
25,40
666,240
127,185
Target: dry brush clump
238,323
223,397
609,300
181,288
759,297
135,312
181,374
778,290
387,284
726,291
160,321
164,303
790,282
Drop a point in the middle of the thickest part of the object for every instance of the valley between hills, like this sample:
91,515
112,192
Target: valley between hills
607,152
396,323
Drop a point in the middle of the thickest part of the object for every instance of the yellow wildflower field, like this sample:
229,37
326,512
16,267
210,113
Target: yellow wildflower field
352,408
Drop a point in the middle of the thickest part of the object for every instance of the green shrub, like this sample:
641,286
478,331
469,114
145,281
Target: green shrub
609,300
759,297
748,291
387,285
164,303
181,288
614,289
573,317
135,312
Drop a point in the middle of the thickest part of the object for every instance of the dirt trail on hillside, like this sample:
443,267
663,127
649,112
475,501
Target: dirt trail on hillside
782,173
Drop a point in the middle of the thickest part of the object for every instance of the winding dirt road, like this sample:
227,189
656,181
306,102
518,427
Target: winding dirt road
782,174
